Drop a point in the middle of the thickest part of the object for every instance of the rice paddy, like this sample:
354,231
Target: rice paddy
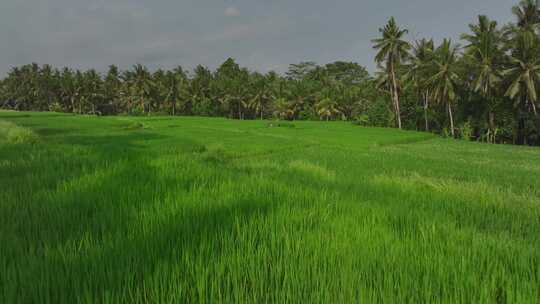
206,210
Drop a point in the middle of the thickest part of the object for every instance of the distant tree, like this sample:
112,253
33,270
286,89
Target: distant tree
485,57
140,85
392,51
176,88
301,70
112,88
262,94
347,73
419,72
445,78
327,108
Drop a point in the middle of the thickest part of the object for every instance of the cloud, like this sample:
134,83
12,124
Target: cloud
232,11
260,34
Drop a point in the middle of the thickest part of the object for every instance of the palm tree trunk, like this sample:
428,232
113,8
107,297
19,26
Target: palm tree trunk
393,100
174,108
491,118
426,104
451,120
262,111
396,95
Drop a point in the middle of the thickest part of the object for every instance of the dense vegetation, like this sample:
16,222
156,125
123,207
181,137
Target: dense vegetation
208,210
486,90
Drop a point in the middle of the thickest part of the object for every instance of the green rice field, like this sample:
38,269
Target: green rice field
210,210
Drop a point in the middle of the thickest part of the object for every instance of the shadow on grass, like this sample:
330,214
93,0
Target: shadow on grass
92,221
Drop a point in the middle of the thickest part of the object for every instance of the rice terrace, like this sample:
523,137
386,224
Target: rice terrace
141,164
163,209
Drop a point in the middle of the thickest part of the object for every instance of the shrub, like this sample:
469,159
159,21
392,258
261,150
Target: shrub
466,131
56,107
362,120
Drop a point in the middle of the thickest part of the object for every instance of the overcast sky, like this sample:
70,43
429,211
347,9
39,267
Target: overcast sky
260,34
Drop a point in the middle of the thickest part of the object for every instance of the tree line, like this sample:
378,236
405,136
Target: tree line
486,88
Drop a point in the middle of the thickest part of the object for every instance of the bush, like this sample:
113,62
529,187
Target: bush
56,107
466,131
362,120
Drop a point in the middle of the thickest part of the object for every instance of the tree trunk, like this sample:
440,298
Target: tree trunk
73,105
174,108
396,95
239,112
491,118
262,111
451,120
426,104
393,100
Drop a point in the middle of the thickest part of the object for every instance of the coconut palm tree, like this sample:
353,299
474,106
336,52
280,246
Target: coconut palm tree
284,109
262,97
524,76
174,87
445,78
140,85
112,87
485,56
327,108
419,70
392,51
521,73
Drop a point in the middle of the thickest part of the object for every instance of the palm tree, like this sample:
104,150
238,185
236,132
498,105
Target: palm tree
485,55
418,72
523,68
524,74
111,87
445,78
284,109
92,86
140,84
258,103
174,87
327,108
393,50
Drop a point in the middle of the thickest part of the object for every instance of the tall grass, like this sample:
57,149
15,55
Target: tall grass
13,134
210,210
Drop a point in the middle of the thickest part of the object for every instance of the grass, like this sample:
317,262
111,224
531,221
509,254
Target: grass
13,134
168,210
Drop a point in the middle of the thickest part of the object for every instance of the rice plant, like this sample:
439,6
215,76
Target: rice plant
202,210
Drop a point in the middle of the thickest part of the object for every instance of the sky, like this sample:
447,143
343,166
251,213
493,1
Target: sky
262,35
